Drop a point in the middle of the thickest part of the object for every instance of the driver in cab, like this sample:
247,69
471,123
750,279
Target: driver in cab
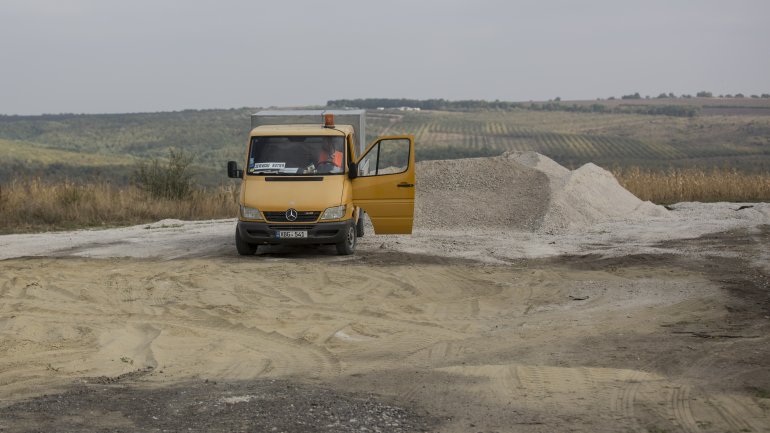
329,159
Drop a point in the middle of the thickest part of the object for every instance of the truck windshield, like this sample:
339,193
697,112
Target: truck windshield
296,155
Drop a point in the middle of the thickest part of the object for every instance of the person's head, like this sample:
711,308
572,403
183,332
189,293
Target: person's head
328,145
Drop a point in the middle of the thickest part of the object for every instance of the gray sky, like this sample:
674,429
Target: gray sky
92,56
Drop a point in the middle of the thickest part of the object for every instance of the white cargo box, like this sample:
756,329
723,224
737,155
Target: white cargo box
355,118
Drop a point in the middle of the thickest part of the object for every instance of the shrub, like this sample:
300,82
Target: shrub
172,180
599,108
704,94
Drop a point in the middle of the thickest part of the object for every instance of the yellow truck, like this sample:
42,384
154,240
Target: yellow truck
309,177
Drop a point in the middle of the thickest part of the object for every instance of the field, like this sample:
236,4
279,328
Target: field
694,184
573,139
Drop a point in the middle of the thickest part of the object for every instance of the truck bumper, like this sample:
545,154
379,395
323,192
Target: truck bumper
264,233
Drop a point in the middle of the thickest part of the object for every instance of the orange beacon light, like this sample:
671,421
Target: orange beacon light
328,120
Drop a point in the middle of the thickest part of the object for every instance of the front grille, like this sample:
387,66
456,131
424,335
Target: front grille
292,227
302,217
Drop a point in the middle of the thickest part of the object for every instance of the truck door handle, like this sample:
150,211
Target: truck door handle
405,185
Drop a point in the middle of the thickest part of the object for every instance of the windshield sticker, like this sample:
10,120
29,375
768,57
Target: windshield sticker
269,165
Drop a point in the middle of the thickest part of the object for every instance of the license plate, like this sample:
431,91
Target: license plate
291,234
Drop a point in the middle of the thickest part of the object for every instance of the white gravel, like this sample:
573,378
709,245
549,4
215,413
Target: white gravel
522,191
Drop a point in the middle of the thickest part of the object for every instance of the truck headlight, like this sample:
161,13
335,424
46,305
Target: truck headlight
334,213
250,213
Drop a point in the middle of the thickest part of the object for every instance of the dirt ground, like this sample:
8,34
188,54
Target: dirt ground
672,337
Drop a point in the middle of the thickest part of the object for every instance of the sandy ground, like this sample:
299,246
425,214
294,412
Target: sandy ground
629,326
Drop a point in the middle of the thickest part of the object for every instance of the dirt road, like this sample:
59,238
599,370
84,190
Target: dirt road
408,335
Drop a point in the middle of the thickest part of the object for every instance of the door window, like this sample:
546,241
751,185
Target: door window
388,156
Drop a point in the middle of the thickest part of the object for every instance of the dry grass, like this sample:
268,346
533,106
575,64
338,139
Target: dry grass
695,184
33,205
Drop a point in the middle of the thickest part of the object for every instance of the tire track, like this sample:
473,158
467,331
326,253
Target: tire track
735,415
624,400
323,362
682,411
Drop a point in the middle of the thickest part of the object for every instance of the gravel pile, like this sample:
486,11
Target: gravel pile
478,193
522,191
591,195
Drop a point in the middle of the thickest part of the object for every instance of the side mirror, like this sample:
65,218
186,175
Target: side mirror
352,170
232,170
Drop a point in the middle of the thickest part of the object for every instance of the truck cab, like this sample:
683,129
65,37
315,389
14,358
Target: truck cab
306,182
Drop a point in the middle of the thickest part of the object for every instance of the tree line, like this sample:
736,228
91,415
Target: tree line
481,105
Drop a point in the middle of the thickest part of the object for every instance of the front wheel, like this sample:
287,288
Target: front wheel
348,245
244,248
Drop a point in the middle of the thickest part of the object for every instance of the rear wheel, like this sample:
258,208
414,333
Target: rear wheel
348,246
244,248
360,225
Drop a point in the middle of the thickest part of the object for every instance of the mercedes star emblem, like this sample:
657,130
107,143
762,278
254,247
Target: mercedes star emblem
291,214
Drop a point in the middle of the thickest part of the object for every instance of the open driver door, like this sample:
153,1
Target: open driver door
383,184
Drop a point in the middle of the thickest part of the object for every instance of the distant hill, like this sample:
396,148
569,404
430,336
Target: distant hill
109,145
213,136
24,158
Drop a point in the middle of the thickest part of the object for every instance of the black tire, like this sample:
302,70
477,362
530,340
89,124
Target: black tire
348,246
360,225
244,248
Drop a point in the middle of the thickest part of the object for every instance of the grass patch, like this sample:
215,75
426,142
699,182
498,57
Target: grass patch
759,392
